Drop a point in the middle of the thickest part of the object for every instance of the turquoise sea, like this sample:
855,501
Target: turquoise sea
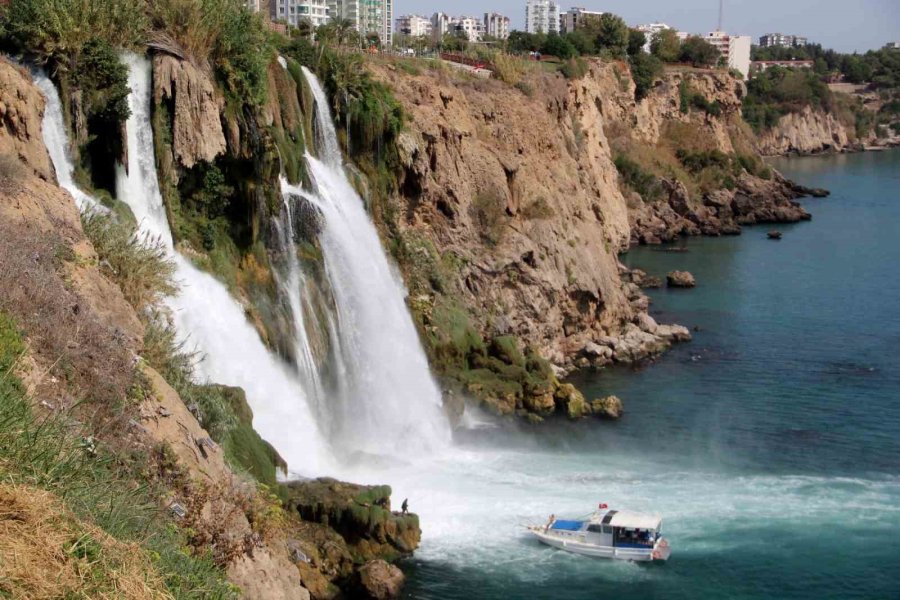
770,444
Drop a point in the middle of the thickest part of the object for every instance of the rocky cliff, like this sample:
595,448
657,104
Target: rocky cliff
516,191
806,132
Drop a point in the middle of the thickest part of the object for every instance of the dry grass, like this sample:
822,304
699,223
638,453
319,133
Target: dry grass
11,173
65,336
47,553
509,69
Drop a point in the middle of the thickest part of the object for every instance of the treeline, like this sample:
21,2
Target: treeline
881,68
222,33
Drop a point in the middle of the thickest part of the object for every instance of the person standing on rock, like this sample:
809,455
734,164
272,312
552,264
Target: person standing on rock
404,508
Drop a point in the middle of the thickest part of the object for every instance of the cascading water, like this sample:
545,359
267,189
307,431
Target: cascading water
206,314
387,401
56,140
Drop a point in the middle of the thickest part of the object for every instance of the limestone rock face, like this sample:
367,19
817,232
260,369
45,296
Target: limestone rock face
381,580
21,113
680,279
522,189
197,128
806,132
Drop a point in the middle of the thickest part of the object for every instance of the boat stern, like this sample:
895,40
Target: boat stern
662,550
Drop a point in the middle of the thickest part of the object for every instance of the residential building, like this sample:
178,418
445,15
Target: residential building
293,11
441,25
568,21
651,30
473,27
367,16
758,66
892,46
496,25
541,16
771,40
735,49
413,25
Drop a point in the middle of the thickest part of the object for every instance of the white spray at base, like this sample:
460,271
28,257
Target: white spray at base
388,402
54,133
208,317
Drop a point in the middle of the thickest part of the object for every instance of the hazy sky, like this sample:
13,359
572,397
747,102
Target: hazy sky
844,25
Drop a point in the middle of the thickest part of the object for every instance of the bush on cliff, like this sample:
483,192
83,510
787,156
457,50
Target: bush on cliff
777,92
60,29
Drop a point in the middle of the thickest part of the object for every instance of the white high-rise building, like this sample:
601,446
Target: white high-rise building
541,16
293,11
472,26
735,49
367,16
569,20
440,25
413,25
496,25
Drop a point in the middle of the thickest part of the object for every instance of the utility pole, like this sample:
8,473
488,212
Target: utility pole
721,10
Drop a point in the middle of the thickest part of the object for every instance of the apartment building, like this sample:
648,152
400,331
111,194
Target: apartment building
473,27
496,25
771,40
735,49
293,11
441,25
367,16
568,21
413,25
541,16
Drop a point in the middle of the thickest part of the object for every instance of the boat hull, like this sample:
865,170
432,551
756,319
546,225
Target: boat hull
575,545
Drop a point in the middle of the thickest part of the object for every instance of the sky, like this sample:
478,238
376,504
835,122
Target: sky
845,25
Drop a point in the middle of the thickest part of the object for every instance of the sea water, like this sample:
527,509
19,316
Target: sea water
770,444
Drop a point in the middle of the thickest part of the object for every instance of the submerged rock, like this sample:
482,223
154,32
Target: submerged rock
380,580
680,279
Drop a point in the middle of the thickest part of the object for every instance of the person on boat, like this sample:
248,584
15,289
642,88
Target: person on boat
404,508
549,522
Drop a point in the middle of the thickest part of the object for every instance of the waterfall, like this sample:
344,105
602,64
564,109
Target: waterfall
54,133
387,402
206,314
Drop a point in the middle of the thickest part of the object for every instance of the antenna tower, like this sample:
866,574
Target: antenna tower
721,10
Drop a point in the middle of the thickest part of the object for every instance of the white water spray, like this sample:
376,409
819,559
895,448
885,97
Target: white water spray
207,315
389,402
56,140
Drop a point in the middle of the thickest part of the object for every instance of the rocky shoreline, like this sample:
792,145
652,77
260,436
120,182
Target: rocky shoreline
722,212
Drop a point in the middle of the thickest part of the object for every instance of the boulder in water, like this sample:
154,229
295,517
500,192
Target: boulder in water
680,279
774,235
380,580
607,408
572,401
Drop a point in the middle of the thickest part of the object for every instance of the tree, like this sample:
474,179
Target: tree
636,42
612,35
645,69
699,52
583,42
520,42
559,47
666,46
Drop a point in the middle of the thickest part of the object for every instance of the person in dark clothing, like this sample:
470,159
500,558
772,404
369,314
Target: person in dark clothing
405,506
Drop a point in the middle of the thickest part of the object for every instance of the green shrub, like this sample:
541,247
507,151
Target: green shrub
574,68
139,266
60,29
636,178
508,69
703,159
645,69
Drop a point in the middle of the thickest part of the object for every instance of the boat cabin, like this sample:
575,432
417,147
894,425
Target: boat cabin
614,528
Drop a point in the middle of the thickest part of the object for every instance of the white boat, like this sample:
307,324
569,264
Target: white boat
607,534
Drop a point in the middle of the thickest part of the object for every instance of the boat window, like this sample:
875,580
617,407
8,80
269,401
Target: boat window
596,528
607,529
